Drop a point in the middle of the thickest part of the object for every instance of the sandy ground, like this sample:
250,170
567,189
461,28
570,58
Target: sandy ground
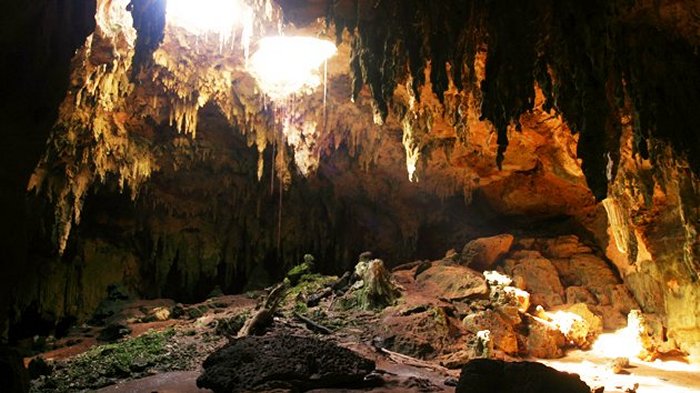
669,376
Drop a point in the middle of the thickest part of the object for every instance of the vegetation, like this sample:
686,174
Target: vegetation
105,364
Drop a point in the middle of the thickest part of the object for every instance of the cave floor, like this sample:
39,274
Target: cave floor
399,374
418,343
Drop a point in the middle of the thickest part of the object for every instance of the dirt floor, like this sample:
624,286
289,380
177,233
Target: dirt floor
418,342
401,374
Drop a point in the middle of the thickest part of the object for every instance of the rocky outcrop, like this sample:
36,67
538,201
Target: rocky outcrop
502,334
452,282
481,254
537,275
282,362
652,237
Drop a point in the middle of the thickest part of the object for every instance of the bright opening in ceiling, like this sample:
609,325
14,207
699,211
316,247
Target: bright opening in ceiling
287,65
209,16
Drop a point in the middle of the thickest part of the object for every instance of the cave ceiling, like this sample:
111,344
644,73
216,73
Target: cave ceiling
521,104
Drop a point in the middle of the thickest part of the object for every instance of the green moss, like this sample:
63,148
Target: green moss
103,365
297,272
308,284
301,308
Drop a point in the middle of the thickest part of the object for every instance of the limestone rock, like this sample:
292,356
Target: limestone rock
618,365
422,332
544,340
538,276
576,294
650,335
488,376
622,299
563,247
453,282
160,314
522,298
589,271
579,325
481,254
613,319
502,334
114,332
494,278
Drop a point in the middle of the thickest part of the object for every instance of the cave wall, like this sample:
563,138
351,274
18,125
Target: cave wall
150,178
652,237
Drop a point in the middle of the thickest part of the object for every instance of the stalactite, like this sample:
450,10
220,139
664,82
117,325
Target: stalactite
579,55
183,116
618,224
91,138
412,146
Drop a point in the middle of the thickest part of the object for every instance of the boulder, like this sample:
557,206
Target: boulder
576,294
452,282
562,247
488,376
519,296
618,365
481,254
538,276
589,271
621,299
159,314
422,331
502,334
543,339
282,361
579,325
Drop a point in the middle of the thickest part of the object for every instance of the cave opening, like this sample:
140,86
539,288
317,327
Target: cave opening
308,195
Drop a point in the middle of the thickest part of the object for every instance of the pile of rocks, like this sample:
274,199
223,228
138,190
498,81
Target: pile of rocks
507,297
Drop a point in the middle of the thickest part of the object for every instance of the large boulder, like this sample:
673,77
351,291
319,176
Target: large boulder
534,273
562,247
489,376
589,271
452,282
502,334
422,331
481,254
282,362
544,340
578,323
